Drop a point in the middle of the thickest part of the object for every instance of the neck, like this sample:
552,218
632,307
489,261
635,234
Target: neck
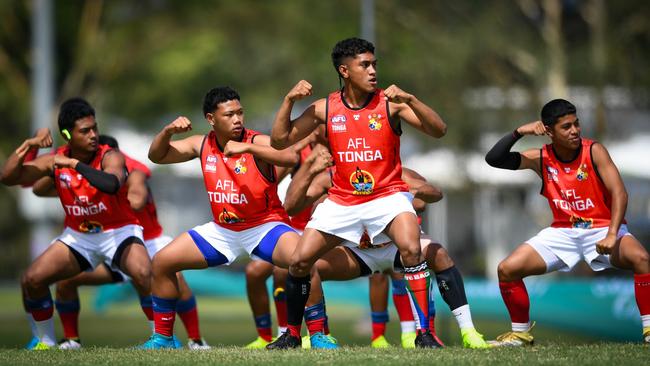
81,155
565,154
223,140
355,98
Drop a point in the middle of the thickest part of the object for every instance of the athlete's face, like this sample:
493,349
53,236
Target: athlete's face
566,132
361,71
84,135
227,120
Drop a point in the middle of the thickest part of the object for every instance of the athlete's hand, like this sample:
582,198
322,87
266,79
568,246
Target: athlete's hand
321,160
606,245
536,128
62,161
233,148
299,91
42,138
396,95
179,125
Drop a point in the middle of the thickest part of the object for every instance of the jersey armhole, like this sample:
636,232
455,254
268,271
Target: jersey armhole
541,169
201,151
327,108
593,163
395,123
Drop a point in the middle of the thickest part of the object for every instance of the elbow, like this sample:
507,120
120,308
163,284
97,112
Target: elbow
440,132
438,197
278,143
291,208
153,158
7,180
491,160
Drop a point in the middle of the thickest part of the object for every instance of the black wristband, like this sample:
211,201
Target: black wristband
105,182
516,134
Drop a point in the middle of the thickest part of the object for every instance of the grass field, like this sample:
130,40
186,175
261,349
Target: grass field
227,324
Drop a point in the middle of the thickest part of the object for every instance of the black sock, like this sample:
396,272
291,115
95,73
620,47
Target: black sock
452,289
297,294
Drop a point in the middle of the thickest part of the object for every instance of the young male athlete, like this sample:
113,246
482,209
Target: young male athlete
588,200
240,179
362,126
99,224
141,201
353,260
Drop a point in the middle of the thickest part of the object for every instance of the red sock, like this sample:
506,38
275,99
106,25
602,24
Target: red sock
190,320
432,324
515,297
378,330
294,330
281,310
403,307
418,280
70,322
164,323
148,312
642,292
316,325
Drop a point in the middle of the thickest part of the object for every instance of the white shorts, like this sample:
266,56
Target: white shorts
100,247
378,259
563,248
223,246
349,222
156,244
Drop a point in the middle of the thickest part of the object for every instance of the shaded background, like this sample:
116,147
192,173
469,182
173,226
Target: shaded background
485,66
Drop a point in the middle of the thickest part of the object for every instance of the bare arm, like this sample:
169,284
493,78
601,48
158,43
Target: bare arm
44,187
414,112
261,149
165,151
614,184
138,193
286,132
17,171
421,189
310,182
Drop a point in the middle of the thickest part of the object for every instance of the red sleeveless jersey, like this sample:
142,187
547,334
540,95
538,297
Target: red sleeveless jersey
87,209
240,196
148,216
365,149
577,196
300,220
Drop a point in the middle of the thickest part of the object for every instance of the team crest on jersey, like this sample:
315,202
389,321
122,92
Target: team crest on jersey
227,217
582,173
211,163
578,222
551,174
374,122
65,179
91,227
362,182
240,168
338,123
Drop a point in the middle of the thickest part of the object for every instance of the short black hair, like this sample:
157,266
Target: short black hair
216,96
350,47
555,109
108,140
72,110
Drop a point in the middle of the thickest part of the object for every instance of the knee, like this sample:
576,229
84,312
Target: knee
254,272
65,288
31,280
299,267
506,272
411,254
642,262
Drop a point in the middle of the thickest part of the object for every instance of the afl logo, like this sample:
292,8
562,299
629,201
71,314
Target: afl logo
362,182
91,227
227,217
339,118
374,122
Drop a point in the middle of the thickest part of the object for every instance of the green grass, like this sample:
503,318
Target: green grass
227,324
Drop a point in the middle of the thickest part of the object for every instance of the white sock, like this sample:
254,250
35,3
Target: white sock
152,325
46,331
408,326
281,330
32,324
645,321
463,317
520,327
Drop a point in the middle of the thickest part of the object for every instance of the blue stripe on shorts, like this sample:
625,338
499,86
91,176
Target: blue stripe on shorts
211,255
266,246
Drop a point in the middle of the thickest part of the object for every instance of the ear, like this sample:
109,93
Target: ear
210,118
549,131
343,71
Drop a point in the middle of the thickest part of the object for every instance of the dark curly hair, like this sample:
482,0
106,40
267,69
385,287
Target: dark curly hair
350,47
